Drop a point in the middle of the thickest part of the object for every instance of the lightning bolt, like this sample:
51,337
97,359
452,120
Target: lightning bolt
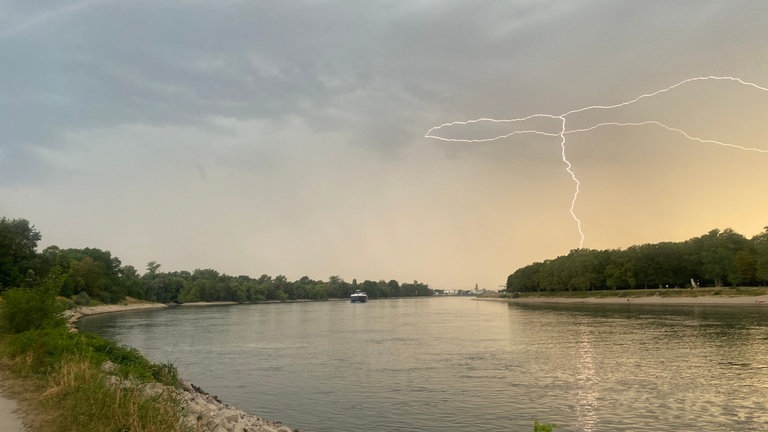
564,131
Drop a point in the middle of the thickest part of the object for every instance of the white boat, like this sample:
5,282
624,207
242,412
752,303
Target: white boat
359,297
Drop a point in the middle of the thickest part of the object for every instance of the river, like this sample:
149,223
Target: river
457,364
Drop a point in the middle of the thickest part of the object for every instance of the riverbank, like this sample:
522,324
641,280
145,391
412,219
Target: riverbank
73,315
761,300
203,412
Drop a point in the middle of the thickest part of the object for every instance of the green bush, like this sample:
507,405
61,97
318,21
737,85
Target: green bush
82,299
543,427
28,309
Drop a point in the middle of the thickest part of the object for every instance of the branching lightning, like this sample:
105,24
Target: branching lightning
564,131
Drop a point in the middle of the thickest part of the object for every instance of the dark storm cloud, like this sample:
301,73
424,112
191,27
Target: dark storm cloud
107,63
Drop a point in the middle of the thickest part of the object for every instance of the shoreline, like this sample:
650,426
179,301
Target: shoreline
714,300
75,314
203,409
201,405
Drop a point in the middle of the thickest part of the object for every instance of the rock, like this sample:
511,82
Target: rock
108,367
154,389
206,413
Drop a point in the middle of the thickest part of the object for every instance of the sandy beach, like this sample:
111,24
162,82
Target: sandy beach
653,300
73,315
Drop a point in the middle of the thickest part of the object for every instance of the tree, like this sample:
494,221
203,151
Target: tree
96,272
618,270
89,276
130,281
718,251
52,257
760,245
152,268
18,256
338,288
393,288
718,257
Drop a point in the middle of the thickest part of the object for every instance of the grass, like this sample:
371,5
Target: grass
41,351
86,402
74,393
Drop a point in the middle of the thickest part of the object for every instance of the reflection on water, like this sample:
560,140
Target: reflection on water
669,368
587,382
454,364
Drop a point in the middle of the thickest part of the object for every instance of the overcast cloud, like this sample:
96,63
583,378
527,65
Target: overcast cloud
287,137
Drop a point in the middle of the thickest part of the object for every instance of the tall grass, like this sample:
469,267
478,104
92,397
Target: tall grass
80,394
40,352
87,402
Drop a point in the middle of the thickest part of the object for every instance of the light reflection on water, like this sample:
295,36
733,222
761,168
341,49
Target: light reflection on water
588,382
454,364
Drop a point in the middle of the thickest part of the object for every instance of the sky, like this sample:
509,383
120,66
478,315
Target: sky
288,137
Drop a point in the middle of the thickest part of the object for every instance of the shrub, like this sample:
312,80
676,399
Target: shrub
82,299
29,308
41,349
543,427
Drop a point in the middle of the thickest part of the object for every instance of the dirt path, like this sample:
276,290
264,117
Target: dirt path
9,418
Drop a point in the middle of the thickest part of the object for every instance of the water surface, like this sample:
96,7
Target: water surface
455,364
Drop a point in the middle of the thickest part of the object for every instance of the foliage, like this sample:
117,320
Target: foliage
82,299
90,274
716,259
18,259
760,244
30,308
542,427
96,272
208,285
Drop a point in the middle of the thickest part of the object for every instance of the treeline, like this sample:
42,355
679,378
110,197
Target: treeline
718,258
94,274
210,285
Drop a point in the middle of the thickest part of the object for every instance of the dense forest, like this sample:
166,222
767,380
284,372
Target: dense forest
90,274
717,258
